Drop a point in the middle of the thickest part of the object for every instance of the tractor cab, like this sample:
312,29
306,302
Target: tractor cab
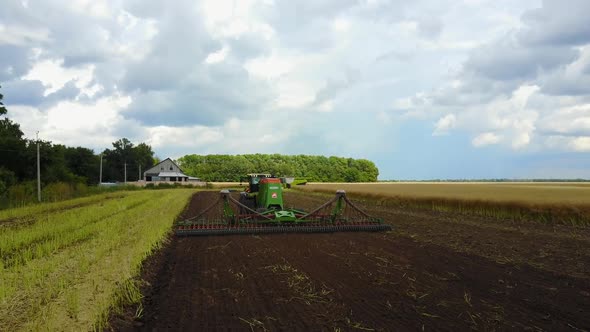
264,192
253,180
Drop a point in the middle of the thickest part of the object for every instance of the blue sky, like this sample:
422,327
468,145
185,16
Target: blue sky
426,89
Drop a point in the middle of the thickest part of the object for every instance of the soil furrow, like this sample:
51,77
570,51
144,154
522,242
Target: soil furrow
356,281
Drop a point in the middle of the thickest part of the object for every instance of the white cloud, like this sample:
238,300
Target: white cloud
407,27
485,139
272,66
30,119
507,117
133,42
525,88
444,124
341,24
22,35
232,19
195,137
94,8
581,144
569,119
73,123
293,77
327,106
217,56
54,76
69,115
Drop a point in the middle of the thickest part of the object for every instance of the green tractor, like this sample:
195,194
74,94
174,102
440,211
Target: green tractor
263,192
260,209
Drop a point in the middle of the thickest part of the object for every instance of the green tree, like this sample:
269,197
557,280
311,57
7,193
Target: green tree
143,157
313,168
12,147
53,163
125,153
116,159
2,108
83,162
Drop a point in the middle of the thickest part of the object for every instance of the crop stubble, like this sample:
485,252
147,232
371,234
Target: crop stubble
359,281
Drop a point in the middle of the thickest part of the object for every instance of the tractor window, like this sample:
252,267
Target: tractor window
255,180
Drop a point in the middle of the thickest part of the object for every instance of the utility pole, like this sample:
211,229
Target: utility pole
38,171
100,173
125,173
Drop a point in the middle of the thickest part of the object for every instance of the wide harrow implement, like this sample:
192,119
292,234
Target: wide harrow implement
228,215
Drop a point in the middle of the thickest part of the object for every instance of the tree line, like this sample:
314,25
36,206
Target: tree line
61,164
312,168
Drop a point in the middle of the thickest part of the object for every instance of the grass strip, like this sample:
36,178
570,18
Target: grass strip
30,213
58,230
75,284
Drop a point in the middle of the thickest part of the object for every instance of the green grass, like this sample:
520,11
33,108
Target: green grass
10,217
550,203
73,262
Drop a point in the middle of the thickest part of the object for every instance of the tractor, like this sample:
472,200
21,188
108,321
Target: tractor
263,192
260,209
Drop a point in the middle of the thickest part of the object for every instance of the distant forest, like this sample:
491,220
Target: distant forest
312,168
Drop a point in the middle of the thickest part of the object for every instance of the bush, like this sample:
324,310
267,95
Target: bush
129,187
26,193
58,191
165,185
81,189
22,194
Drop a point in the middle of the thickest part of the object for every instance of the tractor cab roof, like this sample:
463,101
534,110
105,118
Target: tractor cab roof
259,175
270,180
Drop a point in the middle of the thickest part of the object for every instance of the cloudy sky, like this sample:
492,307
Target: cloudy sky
426,89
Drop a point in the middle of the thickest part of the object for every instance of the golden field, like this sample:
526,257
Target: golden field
218,185
566,203
525,192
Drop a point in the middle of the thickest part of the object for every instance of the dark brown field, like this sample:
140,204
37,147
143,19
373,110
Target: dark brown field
433,272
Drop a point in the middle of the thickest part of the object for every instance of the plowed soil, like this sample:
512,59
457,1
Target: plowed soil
433,272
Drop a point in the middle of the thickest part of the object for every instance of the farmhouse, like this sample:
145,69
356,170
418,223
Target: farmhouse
167,171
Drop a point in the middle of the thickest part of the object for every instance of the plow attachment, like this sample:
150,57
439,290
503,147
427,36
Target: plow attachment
228,215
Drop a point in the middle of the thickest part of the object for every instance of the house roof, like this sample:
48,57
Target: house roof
172,174
175,164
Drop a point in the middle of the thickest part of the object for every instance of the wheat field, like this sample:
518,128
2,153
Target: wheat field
525,192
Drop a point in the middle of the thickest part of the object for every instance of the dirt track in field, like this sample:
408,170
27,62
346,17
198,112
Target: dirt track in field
434,272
